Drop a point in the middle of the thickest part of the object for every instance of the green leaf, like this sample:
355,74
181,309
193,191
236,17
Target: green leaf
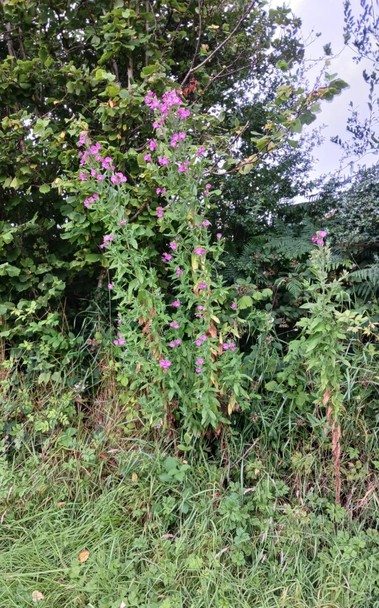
92,257
245,302
271,386
8,270
45,188
148,70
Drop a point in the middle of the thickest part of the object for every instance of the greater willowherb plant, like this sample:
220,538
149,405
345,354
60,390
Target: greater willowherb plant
175,335
323,346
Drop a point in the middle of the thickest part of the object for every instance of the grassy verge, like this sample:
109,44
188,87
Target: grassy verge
136,526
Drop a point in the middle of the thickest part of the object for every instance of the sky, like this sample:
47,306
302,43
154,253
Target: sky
326,17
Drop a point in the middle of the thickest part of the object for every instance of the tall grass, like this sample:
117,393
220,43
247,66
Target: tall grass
166,531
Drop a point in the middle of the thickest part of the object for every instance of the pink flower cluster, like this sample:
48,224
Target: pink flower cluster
228,346
183,167
169,99
319,237
165,363
205,223
90,200
175,343
120,341
176,138
163,107
200,340
118,178
90,156
199,364
107,238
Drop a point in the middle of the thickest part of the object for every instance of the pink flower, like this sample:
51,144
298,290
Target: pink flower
159,211
121,177
182,135
178,342
164,363
172,344
219,235
200,340
123,223
156,124
110,286
182,168
179,272
173,245
199,251
225,346
183,113
147,158
83,139
176,303
151,100
174,140
107,238
171,98
106,163
202,285
200,151
95,148
200,307
208,186
199,361
152,145
318,238
174,324
234,305
232,346
100,178
163,160
83,176
199,370
118,178
166,257
206,223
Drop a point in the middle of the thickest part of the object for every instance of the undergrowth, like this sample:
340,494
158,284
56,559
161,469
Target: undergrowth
110,521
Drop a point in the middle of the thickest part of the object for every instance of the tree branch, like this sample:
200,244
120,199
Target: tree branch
197,46
224,42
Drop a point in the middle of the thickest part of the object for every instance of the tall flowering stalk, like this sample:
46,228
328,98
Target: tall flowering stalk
176,333
323,346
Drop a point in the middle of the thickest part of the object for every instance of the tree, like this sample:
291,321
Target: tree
83,65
